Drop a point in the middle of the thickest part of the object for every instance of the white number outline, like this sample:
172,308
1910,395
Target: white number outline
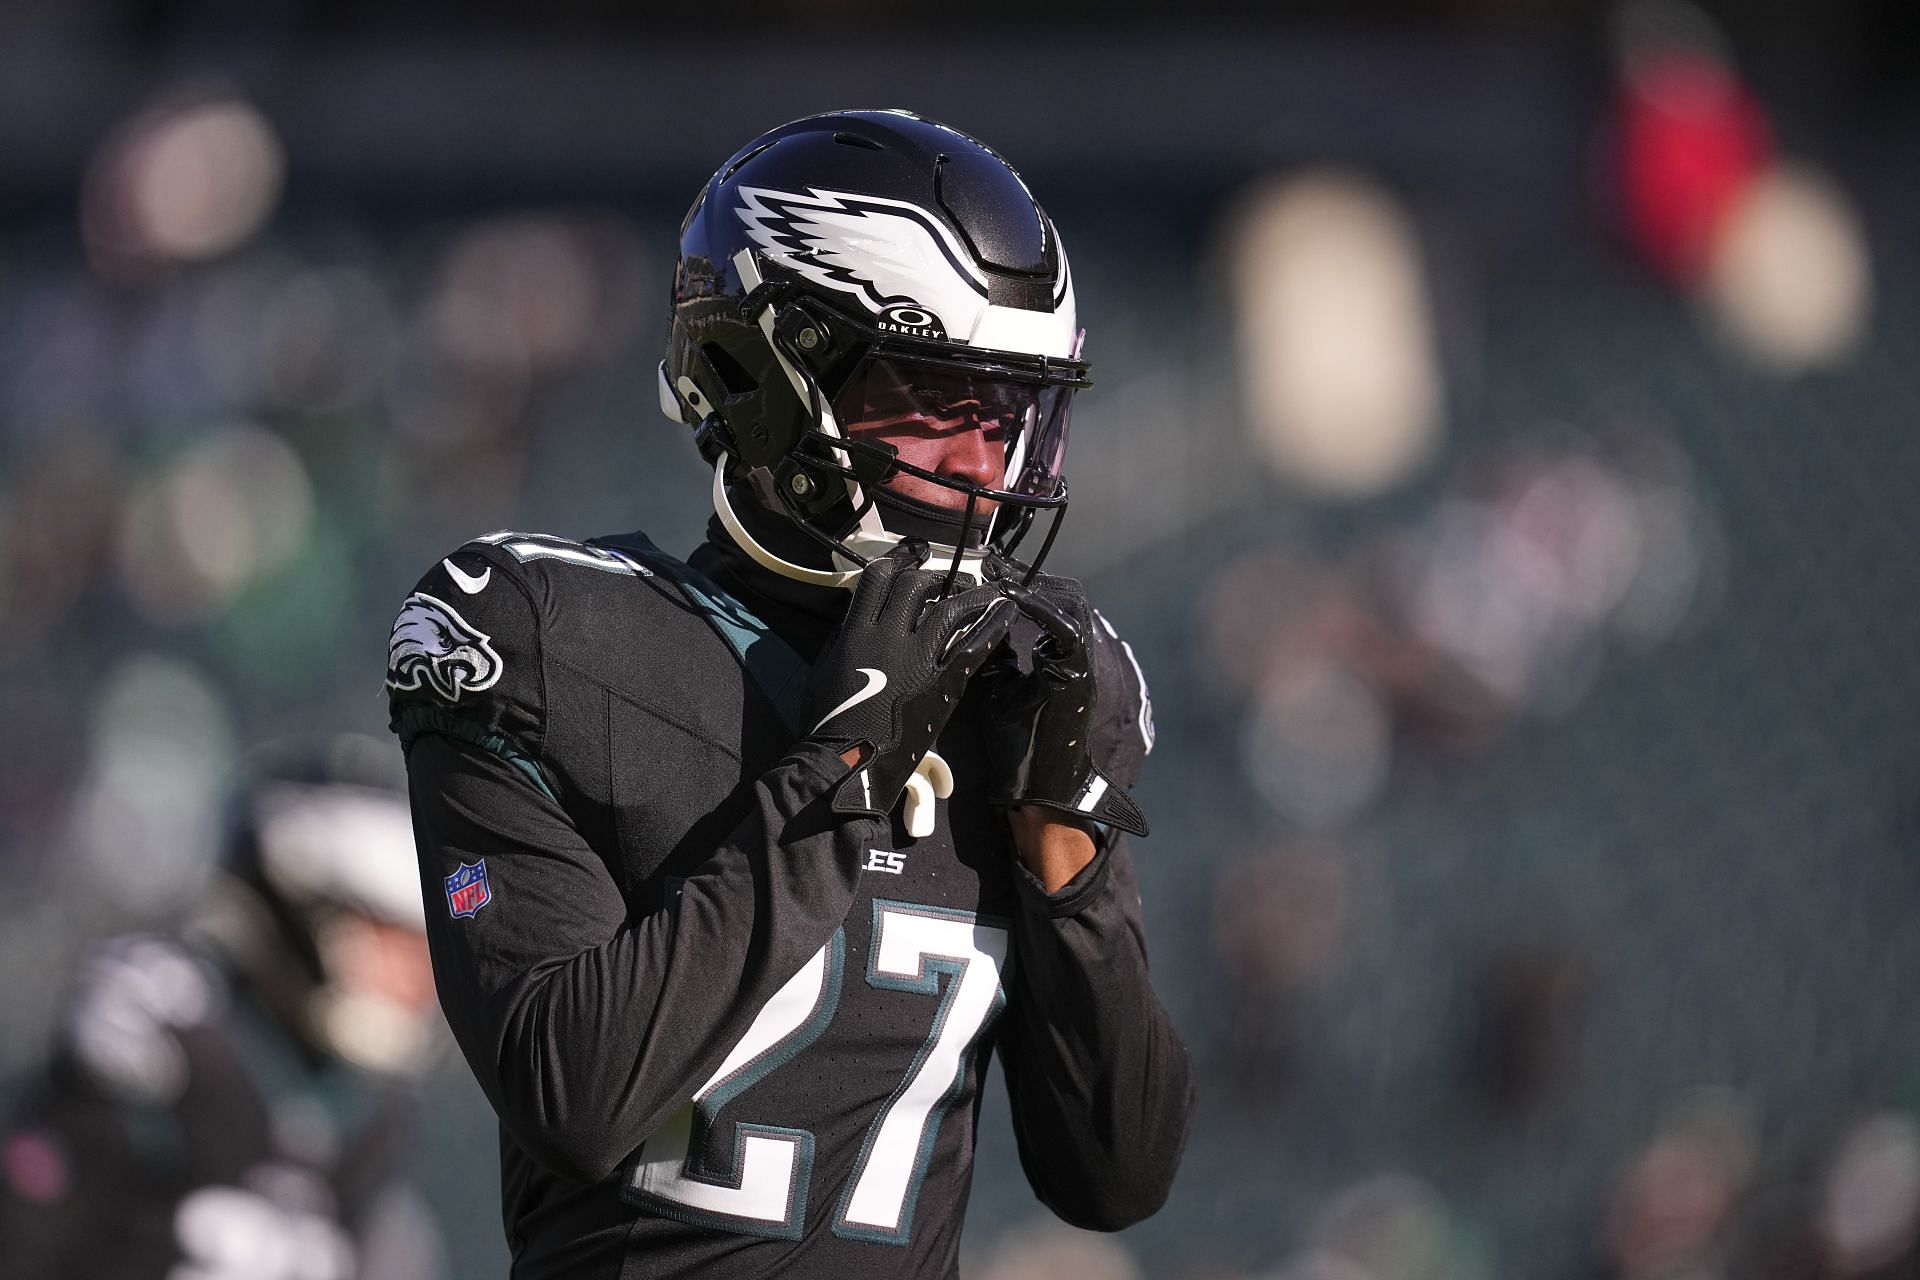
677,1147
545,546
989,945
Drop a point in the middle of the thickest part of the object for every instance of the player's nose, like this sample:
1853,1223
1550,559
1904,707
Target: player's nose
969,456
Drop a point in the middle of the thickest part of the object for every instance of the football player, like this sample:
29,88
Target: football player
232,1100
742,868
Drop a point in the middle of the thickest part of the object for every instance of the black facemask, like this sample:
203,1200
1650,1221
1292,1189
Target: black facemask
915,518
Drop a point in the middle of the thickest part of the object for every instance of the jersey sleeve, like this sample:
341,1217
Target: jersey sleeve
587,1022
1100,1084
465,657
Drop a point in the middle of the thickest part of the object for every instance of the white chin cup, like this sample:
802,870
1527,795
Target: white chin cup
939,558
730,520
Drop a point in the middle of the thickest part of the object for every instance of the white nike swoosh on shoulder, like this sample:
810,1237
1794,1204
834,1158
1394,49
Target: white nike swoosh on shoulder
471,583
876,681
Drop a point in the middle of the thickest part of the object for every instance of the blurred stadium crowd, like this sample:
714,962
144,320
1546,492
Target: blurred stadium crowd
1518,549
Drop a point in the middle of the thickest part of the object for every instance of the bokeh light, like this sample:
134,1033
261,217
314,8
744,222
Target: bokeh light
1318,744
233,509
1051,1250
1690,137
1789,279
1338,368
1871,1213
148,811
1673,1201
181,183
1394,1227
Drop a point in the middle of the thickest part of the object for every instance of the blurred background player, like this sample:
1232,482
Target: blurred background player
231,1100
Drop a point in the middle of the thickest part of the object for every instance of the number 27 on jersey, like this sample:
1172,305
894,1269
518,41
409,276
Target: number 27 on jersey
764,1187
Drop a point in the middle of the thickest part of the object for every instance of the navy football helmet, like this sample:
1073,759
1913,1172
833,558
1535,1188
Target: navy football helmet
861,264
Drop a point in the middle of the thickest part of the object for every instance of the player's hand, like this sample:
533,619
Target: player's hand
891,676
1040,726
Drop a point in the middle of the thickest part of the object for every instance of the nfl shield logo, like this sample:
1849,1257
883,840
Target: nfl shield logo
467,890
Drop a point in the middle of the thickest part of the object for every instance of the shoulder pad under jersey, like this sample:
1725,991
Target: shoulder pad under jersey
467,641
1123,731
468,655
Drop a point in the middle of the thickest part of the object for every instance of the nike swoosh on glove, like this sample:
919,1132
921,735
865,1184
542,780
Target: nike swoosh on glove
1040,726
891,676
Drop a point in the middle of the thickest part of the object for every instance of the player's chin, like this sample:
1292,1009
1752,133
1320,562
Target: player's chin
929,494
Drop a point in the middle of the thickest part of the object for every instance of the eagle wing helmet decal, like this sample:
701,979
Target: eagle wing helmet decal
887,253
433,645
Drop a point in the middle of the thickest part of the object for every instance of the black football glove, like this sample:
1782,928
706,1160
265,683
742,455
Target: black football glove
1041,726
893,673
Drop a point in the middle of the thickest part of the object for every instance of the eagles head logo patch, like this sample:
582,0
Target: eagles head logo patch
433,645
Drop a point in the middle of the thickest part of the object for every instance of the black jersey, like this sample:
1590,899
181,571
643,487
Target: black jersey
181,1131
727,1031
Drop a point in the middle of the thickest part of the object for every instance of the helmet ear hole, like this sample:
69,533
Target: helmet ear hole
733,376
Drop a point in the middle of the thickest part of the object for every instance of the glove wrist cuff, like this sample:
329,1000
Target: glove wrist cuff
1095,799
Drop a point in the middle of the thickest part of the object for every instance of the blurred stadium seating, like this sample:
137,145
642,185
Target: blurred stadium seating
1538,691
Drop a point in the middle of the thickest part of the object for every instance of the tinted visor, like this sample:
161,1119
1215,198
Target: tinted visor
1027,419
